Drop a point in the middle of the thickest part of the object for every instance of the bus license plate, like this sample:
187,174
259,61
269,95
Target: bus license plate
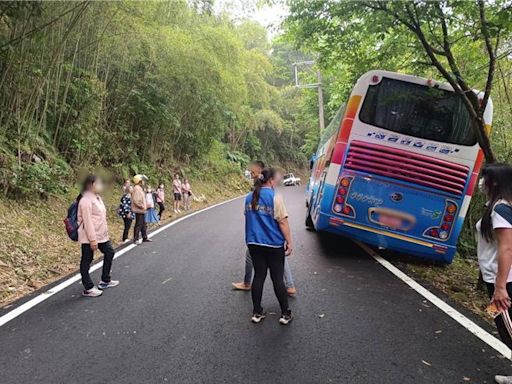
391,221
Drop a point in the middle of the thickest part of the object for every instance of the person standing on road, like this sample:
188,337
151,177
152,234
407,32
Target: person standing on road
125,211
494,232
256,167
93,235
268,237
160,200
187,194
139,209
177,190
151,217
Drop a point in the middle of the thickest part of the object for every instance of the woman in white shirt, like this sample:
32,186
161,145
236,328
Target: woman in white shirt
151,216
494,232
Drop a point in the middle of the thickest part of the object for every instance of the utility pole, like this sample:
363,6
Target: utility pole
317,85
320,101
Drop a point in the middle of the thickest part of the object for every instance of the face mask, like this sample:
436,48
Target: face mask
481,185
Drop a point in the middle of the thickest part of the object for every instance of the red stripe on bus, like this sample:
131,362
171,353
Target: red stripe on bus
476,171
339,152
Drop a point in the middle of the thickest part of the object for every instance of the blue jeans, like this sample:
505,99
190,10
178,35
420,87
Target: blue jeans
288,278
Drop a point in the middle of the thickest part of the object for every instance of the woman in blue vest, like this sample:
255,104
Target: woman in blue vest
495,248
268,237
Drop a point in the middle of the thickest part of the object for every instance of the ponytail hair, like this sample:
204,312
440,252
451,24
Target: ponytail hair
264,177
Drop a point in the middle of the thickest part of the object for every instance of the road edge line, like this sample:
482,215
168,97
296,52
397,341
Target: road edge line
14,313
471,326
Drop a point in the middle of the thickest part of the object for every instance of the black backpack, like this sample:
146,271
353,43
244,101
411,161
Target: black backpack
71,221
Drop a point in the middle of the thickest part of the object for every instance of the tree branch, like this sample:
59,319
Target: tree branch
492,55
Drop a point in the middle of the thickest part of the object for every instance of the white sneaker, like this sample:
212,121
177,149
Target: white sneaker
258,317
126,241
112,283
93,292
503,379
138,241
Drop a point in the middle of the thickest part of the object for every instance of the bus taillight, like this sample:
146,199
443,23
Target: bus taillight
443,231
340,201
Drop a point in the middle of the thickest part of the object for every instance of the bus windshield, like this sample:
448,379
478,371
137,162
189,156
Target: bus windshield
418,111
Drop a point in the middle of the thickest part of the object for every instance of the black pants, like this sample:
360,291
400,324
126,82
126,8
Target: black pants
127,226
87,257
161,210
140,227
263,259
503,322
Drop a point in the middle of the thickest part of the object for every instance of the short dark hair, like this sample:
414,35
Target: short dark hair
259,163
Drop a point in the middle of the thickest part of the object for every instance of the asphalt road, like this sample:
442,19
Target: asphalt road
174,319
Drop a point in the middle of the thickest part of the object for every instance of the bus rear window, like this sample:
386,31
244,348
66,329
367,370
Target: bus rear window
419,111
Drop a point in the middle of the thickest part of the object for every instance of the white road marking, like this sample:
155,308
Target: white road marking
73,279
475,329
167,280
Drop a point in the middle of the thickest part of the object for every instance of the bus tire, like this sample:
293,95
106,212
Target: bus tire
309,222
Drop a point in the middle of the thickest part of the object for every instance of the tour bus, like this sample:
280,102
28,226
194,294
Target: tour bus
397,166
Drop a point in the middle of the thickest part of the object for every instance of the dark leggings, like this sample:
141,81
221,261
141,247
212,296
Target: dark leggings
161,210
503,322
127,226
85,263
263,259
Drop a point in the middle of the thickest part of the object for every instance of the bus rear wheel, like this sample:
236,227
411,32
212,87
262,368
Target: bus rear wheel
309,222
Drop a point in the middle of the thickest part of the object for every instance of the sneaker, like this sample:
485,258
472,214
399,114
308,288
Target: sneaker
126,241
503,379
93,292
112,283
241,286
292,291
258,317
286,318
147,241
139,241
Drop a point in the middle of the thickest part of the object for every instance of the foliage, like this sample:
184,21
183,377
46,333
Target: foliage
461,40
132,85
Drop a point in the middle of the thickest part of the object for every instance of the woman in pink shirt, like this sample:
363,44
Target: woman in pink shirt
93,235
